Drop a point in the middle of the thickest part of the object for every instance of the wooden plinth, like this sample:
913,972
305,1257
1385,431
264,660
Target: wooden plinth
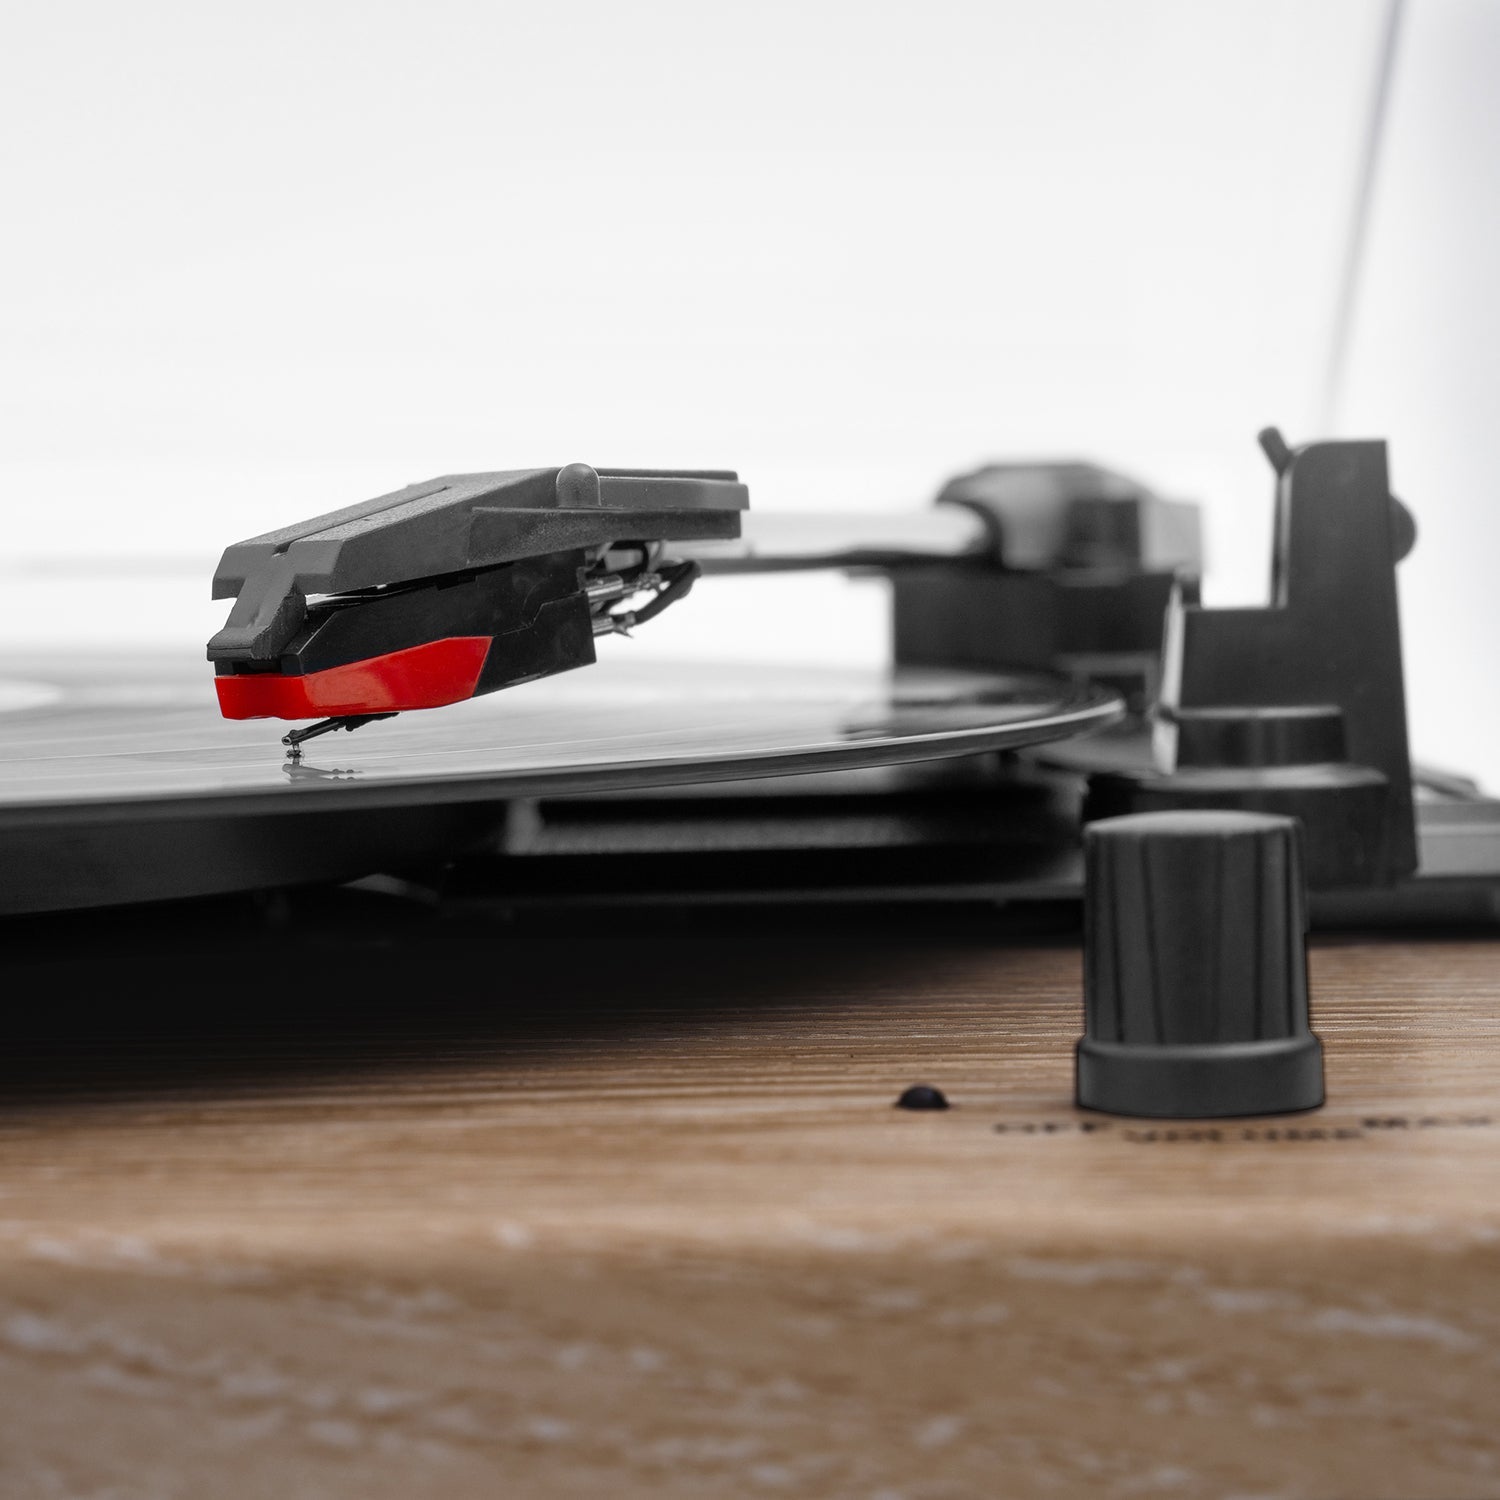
636,1218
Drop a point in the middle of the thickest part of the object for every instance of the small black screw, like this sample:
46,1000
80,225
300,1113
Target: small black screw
922,1096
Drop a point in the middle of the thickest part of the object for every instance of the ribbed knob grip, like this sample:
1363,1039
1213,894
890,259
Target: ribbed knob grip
1195,968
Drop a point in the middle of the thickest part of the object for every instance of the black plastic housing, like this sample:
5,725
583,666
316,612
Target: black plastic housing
1077,578
1297,709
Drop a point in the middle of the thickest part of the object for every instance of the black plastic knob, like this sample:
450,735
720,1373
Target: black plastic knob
1195,968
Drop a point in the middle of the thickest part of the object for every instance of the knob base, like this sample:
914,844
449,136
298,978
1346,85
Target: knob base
1201,1082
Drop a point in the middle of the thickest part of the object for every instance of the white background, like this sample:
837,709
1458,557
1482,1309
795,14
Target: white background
261,260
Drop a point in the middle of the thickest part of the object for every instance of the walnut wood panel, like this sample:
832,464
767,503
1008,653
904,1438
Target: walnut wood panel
527,1215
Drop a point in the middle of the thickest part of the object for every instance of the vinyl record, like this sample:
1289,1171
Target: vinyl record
120,782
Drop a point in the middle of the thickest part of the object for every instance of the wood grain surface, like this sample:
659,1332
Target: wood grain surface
462,1210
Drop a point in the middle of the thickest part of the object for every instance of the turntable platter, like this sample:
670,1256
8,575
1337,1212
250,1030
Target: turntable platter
120,782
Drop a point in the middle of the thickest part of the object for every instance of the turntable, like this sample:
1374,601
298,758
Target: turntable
429,1023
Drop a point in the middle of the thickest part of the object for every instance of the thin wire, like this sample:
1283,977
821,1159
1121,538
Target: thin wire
1359,222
